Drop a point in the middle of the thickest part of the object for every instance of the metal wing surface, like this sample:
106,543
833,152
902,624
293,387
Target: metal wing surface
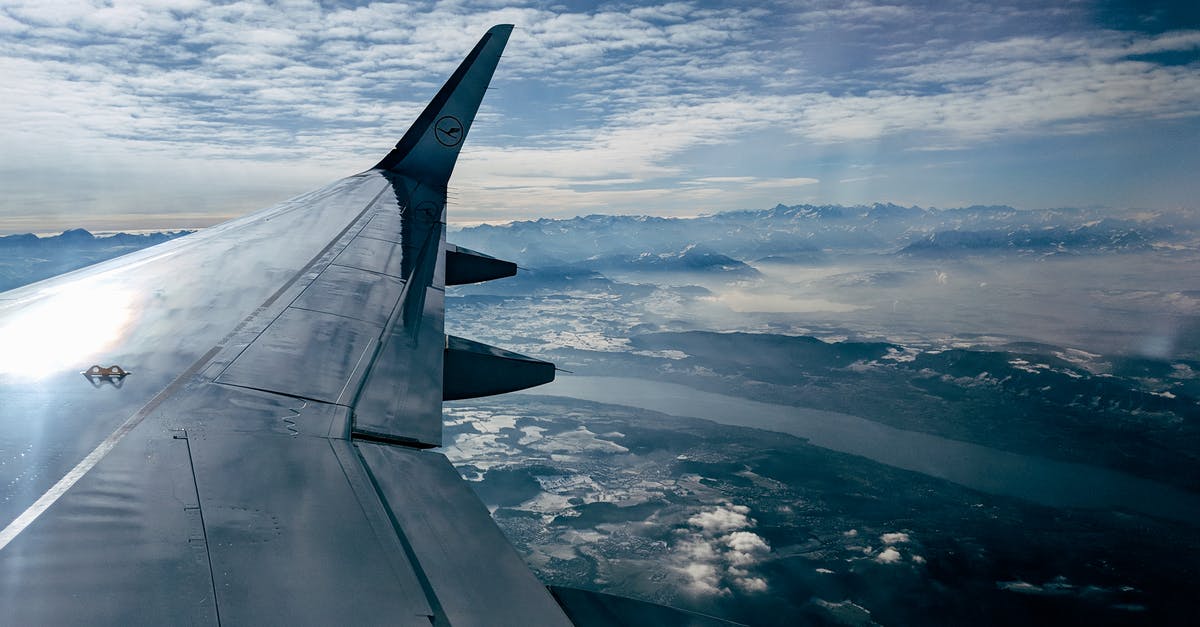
257,455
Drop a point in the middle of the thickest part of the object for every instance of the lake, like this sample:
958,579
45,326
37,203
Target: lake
1041,480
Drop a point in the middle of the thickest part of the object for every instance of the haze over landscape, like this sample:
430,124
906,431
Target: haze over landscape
874,313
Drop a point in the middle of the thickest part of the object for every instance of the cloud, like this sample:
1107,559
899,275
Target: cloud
751,584
704,580
745,548
795,181
718,554
941,98
888,556
654,108
310,83
1059,586
721,519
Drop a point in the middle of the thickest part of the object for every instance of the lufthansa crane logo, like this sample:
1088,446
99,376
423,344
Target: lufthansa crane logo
448,131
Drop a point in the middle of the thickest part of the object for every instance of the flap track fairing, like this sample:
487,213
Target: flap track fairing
465,266
473,369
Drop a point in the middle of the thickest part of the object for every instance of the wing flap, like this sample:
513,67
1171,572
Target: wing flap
284,523
131,523
401,399
466,563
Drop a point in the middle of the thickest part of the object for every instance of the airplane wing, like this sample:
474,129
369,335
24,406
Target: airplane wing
230,427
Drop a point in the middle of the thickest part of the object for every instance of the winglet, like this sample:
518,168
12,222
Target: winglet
430,148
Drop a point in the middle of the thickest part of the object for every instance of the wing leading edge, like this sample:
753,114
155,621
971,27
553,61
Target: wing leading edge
264,462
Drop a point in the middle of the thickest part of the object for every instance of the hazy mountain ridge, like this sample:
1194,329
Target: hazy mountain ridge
724,243
26,258
84,238
809,233
1108,235
692,258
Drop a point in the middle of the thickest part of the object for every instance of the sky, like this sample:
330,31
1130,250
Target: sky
180,113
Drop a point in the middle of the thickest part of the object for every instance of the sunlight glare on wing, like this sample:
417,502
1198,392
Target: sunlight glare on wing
67,329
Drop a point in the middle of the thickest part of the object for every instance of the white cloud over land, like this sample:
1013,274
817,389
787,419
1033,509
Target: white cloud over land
718,553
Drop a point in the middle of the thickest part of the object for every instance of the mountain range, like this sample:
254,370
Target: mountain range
26,258
813,233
